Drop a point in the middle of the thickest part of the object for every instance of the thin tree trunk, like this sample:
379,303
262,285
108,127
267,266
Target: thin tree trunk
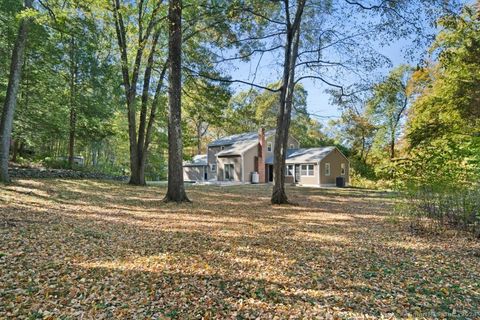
15,150
73,109
279,195
6,122
176,187
138,147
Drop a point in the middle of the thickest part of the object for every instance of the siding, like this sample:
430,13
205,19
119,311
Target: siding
249,162
310,180
237,163
271,140
212,159
193,173
335,158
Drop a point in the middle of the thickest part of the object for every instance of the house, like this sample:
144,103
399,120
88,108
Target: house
236,157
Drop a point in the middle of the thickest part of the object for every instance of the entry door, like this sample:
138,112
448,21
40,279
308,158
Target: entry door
229,171
297,173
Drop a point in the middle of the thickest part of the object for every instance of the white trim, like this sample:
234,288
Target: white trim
286,170
319,174
270,146
307,170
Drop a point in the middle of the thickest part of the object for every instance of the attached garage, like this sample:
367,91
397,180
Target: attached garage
196,170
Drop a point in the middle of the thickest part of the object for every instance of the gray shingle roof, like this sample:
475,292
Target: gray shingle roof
197,161
306,155
236,138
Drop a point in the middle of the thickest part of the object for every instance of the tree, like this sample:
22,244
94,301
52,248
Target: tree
443,125
203,104
389,104
176,188
148,32
8,111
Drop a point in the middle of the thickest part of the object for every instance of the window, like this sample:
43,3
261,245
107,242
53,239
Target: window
343,171
292,146
307,170
214,168
269,147
222,147
327,169
289,170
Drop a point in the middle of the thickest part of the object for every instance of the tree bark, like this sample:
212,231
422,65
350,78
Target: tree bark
138,144
6,122
176,187
73,109
279,195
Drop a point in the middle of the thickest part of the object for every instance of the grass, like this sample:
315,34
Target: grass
101,250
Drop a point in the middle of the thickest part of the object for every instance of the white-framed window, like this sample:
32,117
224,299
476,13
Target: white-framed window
213,167
292,146
269,147
343,169
289,170
327,169
307,170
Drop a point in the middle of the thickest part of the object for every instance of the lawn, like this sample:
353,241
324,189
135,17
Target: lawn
102,250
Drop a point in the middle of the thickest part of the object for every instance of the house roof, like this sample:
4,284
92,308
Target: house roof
197,161
249,137
237,149
307,155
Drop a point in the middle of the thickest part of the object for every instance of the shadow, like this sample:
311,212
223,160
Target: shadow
109,250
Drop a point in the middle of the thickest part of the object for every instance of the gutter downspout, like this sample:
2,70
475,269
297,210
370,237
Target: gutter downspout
243,169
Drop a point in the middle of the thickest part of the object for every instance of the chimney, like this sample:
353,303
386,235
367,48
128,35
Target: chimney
262,153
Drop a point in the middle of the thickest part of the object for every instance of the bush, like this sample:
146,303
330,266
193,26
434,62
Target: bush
55,163
436,208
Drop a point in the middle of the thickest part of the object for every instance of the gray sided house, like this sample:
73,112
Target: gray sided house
235,158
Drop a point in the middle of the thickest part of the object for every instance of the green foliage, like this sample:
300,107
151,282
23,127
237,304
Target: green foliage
444,123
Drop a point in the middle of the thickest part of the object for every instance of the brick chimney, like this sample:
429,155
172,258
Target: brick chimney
262,153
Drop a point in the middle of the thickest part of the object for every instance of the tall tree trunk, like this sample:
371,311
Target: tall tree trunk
73,109
6,122
279,195
176,187
138,148
199,137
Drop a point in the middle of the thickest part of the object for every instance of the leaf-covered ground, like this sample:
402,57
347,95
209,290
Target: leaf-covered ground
102,250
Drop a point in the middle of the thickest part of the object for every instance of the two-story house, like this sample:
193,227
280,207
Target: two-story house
236,157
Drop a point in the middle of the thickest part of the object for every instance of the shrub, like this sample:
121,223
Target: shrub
436,208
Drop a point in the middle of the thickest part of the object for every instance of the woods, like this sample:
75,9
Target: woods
120,111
